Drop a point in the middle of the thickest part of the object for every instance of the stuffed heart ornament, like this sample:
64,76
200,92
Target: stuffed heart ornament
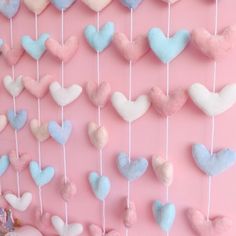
95,5
38,6
20,203
130,215
17,119
68,189
13,86
95,230
3,122
39,130
20,162
131,4
4,164
62,4
25,231
170,1
9,8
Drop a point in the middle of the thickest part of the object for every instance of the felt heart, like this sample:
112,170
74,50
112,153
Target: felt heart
95,230
1,44
66,229
35,48
130,216
18,161
37,88
99,40
3,122
131,169
17,119
13,86
98,135
9,8
95,5
130,110
40,176
4,164
170,1
164,215
167,49
167,105
214,46
62,4
211,103
68,190
64,96
64,52
98,94
59,133
19,203
25,231
163,169
39,130
213,164
131,51
100,185
38,6
131,4
203,227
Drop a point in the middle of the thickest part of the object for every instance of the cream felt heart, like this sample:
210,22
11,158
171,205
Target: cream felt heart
130,110
3,122
39,130
38,6
25,230
66,229
170,1
14,87
19,203
64,96
97,5
212,103
163,169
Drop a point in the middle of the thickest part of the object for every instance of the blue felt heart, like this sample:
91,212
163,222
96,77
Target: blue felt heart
100,40
35,48
41,177
1,43
101,185
60,133
4,164
131,4
166,49
17,119
62,4
132,169
213,164
164,214
9,8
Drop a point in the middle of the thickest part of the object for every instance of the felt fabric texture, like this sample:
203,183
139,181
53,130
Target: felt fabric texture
17,119
133,169
1,44
164,215
213,104
95,230
35,48
167,105
170,1
213,164
18,162
9,8
99,40
101,185
3,122
95,5
131,4
214,46
130,215
68,190
39,130
62,4
25,231
13,86
37,7
131,51
63,52
4,164
167,49
59,133
130,110
202,227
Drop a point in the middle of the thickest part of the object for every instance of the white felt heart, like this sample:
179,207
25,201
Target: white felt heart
64,96
14,87
66,229
212,103
3,122
130,110
19,203
96,5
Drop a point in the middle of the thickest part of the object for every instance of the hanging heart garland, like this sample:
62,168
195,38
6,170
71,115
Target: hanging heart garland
39,130
131,4
95,5
13,86
19,161
37,7
17,119
63,4
95,230
9,8
130,214
68,189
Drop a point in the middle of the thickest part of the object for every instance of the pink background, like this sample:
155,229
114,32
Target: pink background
187,127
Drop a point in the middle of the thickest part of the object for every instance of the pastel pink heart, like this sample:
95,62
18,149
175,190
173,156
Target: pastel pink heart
37,88
25,231
203,227
39,130
98,94
64,52
130,215
38,6
20,162
214,46
95,230
167,105
3,122
68,190
131,51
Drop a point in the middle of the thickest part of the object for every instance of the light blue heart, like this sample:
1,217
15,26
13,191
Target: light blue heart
166,49
213,164
100,185
59,133
131,170
1,43
9,8
164,215
17,119
131,4
41,177
99,40
4,164
35,48
62,4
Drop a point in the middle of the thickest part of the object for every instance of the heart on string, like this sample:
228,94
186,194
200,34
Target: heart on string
39,130
95,5
3,122
13,86
131,4
95,230
4,164
18,161
170,1
202,227
130,215
68,190
9,8
37,7
17,119
212,103
25,231
62,4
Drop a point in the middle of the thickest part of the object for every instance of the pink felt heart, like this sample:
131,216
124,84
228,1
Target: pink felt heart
38,6
202,227
63,52
20,162
98,95
3,122
131,51
214,46
37,88
167,105
130,216
25,231
95,230
39,130
68,190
